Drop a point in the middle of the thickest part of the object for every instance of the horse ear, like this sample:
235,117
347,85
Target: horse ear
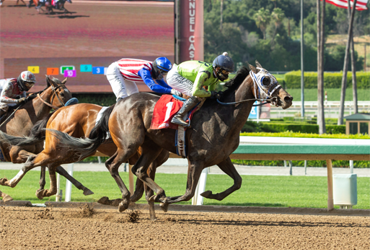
258,65
47,80
252,68
64,81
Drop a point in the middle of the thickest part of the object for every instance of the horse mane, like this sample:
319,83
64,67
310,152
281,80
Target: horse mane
234,83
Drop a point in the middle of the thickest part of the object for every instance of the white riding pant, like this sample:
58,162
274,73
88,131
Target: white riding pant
121,87
178,82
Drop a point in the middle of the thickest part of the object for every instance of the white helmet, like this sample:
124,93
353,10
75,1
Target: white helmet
26,80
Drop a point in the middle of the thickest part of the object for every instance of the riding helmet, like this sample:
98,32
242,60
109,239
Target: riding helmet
162,64
225,63
26,77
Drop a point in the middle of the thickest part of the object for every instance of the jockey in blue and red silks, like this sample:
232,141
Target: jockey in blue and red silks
123,75
14,90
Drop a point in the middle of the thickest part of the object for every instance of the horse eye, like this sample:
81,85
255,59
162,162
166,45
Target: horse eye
266,81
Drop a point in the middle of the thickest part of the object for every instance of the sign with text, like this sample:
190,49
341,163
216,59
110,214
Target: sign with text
98,70
52,71
34,69
70,73
66,67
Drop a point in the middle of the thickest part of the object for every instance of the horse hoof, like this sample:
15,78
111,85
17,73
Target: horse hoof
104,200
164,206
7,198
122,206
88,192
40,194
2,181
206,194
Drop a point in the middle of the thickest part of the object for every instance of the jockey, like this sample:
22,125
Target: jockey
191,76
123,75
12,88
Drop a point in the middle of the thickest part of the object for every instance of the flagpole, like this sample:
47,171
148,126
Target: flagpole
302,63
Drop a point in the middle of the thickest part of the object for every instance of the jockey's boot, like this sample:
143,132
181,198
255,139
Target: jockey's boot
188,105
2,112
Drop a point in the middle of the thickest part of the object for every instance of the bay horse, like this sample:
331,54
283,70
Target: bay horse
19,124
77,120
213,136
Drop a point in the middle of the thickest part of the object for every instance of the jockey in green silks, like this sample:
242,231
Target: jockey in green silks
191,77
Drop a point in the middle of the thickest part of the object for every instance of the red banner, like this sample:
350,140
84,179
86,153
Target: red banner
190,31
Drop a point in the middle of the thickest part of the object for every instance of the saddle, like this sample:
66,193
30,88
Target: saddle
165,108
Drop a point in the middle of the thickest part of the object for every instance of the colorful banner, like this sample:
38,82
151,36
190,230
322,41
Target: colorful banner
360,4
190,33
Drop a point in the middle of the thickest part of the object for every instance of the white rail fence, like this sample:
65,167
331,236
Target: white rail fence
198,199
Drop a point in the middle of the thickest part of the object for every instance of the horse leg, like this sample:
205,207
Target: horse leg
42,159
60,170
139,187
149,154
13,182
228,168
5,197
53,186
42,178
113,164
194,171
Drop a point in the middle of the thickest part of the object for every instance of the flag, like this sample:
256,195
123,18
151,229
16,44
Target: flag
360,5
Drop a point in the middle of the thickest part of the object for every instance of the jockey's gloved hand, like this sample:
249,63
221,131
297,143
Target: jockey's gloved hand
23,99
175,92
216,95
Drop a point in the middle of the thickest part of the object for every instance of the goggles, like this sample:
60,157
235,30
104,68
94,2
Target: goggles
29,84
224,71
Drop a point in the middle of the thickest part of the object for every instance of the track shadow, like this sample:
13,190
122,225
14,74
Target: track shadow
248,204
270,223
66,16
25,6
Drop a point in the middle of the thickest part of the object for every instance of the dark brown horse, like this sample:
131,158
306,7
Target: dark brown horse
77,120
213,136
20,123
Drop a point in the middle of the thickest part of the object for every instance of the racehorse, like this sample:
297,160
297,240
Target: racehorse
1,2
51,4
213,136
77,121
19,124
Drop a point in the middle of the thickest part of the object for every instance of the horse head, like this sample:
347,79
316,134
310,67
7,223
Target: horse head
266,87
60,94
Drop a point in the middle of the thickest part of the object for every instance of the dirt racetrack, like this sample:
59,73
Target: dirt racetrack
83,228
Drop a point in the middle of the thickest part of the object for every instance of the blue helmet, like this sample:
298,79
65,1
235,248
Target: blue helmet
225,63
162,64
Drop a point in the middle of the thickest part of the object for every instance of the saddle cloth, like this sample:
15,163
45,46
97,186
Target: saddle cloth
165,108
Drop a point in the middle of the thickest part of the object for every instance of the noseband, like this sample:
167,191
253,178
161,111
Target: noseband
52,98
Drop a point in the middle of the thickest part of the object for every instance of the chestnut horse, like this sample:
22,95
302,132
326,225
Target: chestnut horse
213,136
20,123
77,120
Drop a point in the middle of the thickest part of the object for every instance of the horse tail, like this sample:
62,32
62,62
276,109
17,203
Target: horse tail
84,147
37,134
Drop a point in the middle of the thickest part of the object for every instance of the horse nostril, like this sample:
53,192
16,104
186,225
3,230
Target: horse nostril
288,98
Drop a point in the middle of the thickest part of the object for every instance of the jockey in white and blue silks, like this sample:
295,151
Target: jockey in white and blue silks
123,75
13,90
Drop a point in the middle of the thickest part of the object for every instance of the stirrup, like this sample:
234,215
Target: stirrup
180,122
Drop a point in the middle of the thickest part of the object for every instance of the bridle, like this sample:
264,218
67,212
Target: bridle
38,95
52,97
261,93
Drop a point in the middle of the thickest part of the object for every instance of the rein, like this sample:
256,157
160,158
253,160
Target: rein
257,80
247,100
54,94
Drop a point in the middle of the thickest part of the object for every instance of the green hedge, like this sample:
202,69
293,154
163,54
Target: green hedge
331,80
299,127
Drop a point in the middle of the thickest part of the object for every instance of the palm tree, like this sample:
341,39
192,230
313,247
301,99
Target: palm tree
278,16
262,18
